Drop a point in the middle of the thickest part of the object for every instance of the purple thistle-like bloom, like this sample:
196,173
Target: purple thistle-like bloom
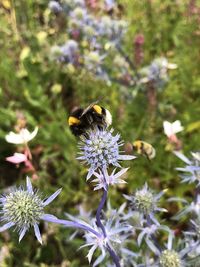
193,207
146,202
116,234
147,232
24,208
170,257
103,179
100,149
192,168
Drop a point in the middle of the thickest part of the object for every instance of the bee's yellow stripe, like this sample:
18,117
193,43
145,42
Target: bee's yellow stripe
98,109
73,121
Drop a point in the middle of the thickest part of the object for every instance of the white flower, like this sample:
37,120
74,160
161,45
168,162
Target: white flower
23,137
172,128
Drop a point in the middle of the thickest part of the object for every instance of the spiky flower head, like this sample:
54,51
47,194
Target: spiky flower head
116,234
170,258
24,208
100,149
192,168
145,201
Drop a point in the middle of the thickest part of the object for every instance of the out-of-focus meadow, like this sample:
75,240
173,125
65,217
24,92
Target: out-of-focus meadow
42,92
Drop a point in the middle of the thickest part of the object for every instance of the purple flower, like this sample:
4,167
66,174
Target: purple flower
103,179
192,169
100,149
146,202
24,208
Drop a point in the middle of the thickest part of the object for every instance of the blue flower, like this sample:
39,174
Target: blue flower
146,203
116,234
100,149
192,168
193,207
103,179
24,208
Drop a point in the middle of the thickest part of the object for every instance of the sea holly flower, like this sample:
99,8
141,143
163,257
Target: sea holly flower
100,149
147,232
116,233
170,257
156,72
23,137
193,207
103,179
24,208
146,202
192,168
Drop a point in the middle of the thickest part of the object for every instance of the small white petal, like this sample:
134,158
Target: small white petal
167,128
91,252
22,137
33,134
37,233
14,138
100,258
22,233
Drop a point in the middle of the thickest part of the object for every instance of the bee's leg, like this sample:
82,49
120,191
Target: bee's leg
147,156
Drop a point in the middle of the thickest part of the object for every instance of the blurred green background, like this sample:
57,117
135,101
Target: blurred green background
44,92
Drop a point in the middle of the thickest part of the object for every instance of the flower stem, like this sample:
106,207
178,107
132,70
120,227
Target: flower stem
113,256
99,209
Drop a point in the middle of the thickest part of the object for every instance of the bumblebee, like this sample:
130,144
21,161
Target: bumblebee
82,120
144,148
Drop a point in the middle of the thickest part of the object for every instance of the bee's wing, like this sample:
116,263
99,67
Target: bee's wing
88,108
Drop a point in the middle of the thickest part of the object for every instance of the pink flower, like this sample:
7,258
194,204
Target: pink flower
17,158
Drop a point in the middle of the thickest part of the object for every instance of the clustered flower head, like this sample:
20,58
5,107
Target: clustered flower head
146,202
116,234
24,208
93,36
100,149
170,257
